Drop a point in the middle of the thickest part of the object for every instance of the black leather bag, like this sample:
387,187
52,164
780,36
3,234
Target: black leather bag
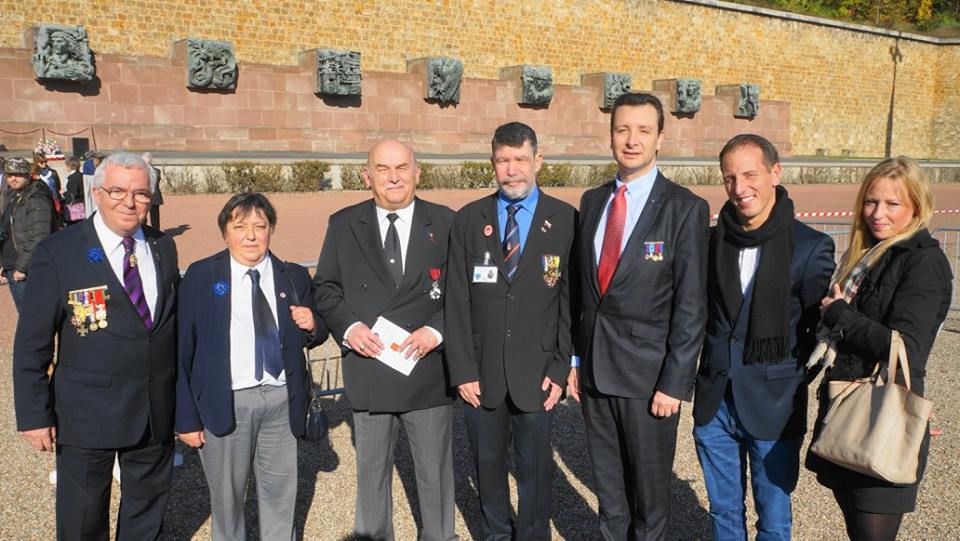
317,423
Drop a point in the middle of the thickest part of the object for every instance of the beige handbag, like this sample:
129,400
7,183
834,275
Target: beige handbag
875,426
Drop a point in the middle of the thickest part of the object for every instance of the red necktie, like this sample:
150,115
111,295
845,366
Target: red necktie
612,237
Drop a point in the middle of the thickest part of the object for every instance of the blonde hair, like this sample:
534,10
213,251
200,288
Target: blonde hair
907,174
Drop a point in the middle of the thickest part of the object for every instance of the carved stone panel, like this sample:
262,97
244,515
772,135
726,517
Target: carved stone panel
688,97
338,72
749,104
211,64
536,85
615,85
444,77
608,85
62,53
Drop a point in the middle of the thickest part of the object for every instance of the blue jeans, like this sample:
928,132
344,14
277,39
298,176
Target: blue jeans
16,288
723,446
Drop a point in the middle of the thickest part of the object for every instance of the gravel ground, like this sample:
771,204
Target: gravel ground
327,472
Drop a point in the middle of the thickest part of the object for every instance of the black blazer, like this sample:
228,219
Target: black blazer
111,384
204,386
509,335
645,334
771,398
352,283
909,290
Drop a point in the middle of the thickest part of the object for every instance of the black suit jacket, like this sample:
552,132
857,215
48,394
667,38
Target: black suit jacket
771,398
111,384
204,385
352,283
509,335
644,335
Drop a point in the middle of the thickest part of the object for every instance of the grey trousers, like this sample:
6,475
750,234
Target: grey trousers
263,440
430,434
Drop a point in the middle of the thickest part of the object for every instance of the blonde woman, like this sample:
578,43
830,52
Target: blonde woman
893,276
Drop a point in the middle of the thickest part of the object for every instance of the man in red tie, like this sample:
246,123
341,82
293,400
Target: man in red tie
642,247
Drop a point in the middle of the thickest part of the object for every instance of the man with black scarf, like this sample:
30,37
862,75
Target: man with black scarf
767,272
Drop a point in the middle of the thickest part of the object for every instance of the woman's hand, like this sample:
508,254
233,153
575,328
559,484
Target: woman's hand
835,295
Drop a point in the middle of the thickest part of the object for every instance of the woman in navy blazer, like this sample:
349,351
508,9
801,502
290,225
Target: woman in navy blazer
237,353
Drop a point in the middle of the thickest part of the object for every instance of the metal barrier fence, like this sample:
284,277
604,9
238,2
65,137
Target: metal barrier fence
839,231
949,238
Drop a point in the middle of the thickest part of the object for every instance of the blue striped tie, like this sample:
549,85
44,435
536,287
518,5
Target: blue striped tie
511,242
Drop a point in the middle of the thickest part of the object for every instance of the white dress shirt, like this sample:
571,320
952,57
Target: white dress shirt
113,247
749,259
402,224
243,349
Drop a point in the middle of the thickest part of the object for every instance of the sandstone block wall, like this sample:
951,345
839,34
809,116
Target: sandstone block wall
837,82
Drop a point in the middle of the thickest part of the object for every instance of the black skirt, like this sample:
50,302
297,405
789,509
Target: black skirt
866,493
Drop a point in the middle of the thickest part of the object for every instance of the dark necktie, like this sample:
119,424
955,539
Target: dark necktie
266,336
391,251
612,238
132,283
511,242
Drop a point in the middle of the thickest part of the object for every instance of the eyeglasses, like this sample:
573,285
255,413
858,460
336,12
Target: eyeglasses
119,194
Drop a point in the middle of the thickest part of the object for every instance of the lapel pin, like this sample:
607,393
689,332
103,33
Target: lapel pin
283,295
487,230
431,236
546,226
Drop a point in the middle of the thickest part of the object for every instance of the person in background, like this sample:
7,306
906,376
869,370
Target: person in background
28,218
73,193
157,195
893,277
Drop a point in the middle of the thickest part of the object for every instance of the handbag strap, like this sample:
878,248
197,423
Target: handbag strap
898,357
295,299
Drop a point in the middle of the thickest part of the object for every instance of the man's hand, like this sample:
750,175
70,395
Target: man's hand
193,439
418,344
303,317
19,276
555,392
573,383
663,405
363,341
470,393
41,439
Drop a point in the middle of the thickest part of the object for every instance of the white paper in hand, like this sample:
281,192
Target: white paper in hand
392,335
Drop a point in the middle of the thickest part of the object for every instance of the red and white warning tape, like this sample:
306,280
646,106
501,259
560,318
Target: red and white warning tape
848,213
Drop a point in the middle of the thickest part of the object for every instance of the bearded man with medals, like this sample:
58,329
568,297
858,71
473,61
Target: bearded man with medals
507,317
105,294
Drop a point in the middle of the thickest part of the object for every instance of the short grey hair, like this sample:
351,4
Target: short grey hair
124,160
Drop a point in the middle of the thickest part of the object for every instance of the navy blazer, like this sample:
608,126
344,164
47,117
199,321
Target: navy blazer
771,398
644,334
204,385
109,385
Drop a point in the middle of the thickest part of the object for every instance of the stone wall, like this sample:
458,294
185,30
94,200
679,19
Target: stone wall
836,78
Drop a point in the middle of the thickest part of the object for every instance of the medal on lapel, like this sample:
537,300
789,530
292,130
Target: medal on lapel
653,251
435,287
551,269
89,309
546,226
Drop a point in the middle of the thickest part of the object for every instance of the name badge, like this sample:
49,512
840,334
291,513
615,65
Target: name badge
485,274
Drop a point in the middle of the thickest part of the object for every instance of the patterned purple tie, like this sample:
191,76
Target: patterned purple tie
132,283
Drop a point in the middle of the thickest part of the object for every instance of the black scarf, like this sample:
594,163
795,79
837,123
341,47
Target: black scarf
767,331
